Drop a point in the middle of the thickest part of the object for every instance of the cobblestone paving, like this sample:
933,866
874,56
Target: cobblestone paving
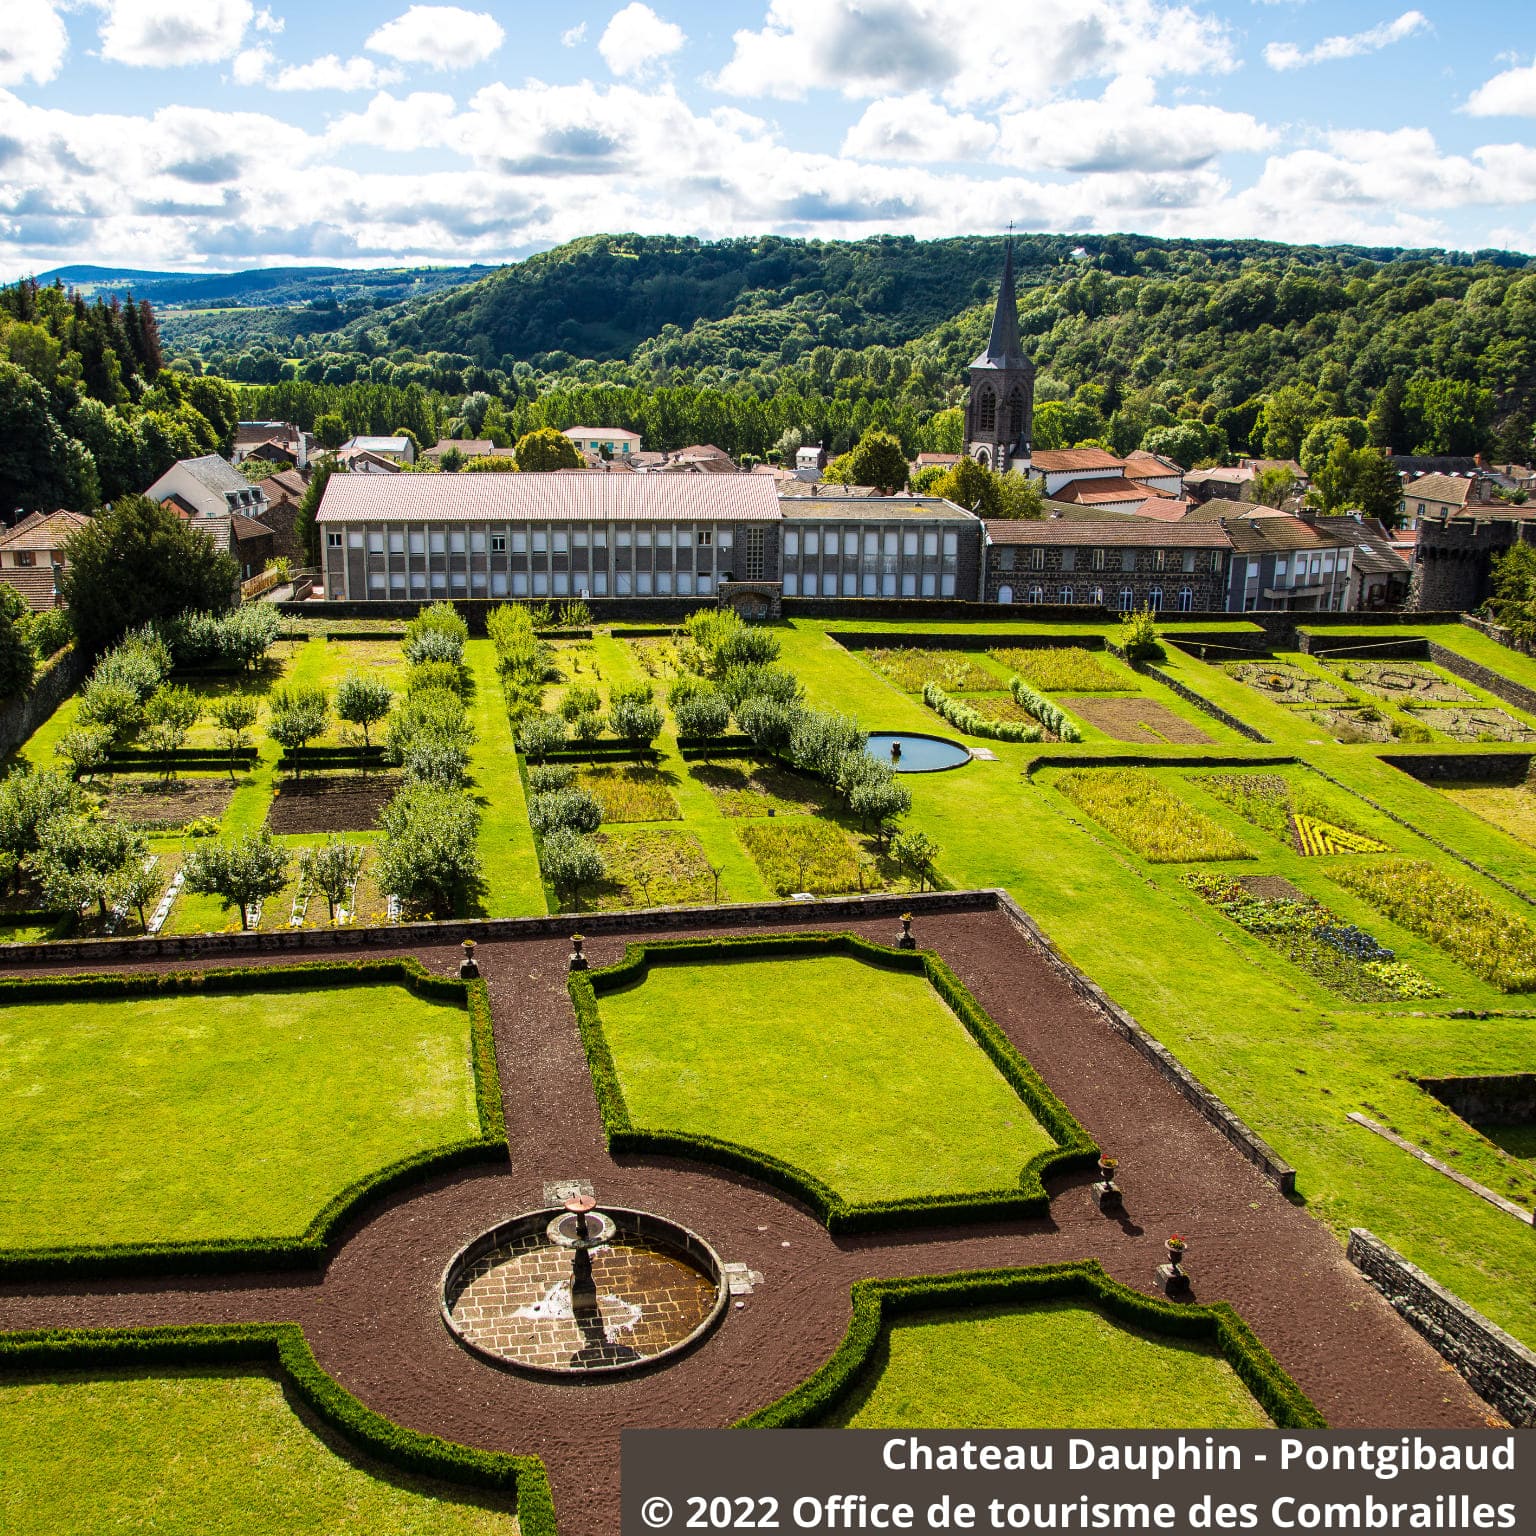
516,1302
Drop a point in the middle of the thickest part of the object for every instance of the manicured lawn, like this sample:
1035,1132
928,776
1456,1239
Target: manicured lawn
1059,1365
152,1119
860,1076
196,1454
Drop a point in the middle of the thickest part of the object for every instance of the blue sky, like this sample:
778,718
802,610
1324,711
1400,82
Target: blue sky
216,134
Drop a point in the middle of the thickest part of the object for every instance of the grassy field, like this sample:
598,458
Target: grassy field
199,1453
1055,1366
157,1119
887,1096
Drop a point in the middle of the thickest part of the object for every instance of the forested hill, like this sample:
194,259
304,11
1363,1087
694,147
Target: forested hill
1242,345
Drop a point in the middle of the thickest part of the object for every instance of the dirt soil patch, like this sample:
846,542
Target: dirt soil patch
1137,720
334,802
1271,888
165,804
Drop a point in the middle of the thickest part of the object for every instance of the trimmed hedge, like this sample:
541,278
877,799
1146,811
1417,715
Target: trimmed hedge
966,717
1074,1149
877,1302
281,1347
220,1255
1051,716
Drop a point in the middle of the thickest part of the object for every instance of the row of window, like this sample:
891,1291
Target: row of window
1103,559
1184,598
535,584
828,541
869,584
539,541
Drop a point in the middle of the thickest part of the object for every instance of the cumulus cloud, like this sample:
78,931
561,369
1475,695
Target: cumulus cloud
917,127
422,120
265,21
251,66
33,43
572,36
160,33
636,39
876,48
442,36
1511,94
1350,46
333,73
1126,130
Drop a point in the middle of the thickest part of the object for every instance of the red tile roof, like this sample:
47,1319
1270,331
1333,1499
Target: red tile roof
1054,460
1106,488
43,530
35,583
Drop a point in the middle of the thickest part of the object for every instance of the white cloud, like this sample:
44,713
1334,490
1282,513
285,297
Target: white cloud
444,36
1126,131
1511,94
252,66
1372,40
422,120
917,127
265,21
161,33
637,38
332,73
33,42
572,36
874,48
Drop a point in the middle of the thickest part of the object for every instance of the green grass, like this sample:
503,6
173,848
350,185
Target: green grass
197,1453
1510,807
860,1076
177,1118
628,792
1056,1365
651,868
801,853
745,788
1065,669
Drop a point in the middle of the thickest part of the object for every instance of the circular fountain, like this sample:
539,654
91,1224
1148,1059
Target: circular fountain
574,1291
913,752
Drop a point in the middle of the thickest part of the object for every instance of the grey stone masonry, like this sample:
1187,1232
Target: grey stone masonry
1484,677
1129,577
1499,1368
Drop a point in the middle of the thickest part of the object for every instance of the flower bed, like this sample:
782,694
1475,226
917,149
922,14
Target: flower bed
1294,813
1138,719
1062,669
1480,724
1401,681
1345,959
1453,916
1287,683
910,669
1148,817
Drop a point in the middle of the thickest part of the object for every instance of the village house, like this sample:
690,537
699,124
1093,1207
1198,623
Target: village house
210,493
1121,563
399,449
276,442
284,491
1380,575
1283,562
606,442
32,556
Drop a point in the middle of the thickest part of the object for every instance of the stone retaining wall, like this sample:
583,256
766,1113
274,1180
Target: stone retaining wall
20,717
1483,677
1486,767
1499,1368
1252,1146
1199,700
1498,634
1507,1100
1355,647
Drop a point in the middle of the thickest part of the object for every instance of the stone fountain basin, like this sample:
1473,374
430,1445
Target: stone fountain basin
505,1296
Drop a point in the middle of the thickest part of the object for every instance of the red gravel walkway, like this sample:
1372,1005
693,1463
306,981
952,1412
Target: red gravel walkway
372,1315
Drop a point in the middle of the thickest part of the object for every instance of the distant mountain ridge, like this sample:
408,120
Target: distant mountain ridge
264,285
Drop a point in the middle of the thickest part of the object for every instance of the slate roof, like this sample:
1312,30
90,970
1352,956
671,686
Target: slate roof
1454,489
549,498
1260,535
1110,532
871,509
1373,545
219,475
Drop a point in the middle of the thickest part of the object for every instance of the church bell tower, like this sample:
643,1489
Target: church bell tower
999,415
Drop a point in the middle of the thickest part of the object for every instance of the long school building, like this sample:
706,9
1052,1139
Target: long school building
401,538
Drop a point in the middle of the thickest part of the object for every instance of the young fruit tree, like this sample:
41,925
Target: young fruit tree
240,873
363,701
332,870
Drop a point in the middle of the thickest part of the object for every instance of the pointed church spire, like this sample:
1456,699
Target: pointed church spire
1004,349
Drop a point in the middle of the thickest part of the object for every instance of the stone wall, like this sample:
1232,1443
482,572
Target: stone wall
1498,634
1484,767
1507,1100
1454,563
1400,648
54,683
1499,1368
1483,677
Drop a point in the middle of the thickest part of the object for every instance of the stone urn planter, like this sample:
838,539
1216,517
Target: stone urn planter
577,961
468,970
1107,1190
905,940
1172,1273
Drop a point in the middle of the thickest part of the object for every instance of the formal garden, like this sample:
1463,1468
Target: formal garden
1309,927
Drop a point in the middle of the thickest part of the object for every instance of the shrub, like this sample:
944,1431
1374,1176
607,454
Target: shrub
768,723
248,870
80,861
819,740
570,861
572,809
48,631
363,701
741,683
296,715
548,777
634,716
28,802
916,853
1452,915
1051,716
965,717
83,750
247,633
112,709
704,715
233,716
575,615
437,633
580,700
586,729
539,735
436,760
1138,636
744,645
1149,818
427,855
169,717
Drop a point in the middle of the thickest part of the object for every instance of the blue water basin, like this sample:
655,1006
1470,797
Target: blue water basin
918,754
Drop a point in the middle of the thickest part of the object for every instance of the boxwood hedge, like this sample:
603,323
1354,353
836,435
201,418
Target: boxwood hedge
282,1348
221,1254
1074,1148
877,1302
